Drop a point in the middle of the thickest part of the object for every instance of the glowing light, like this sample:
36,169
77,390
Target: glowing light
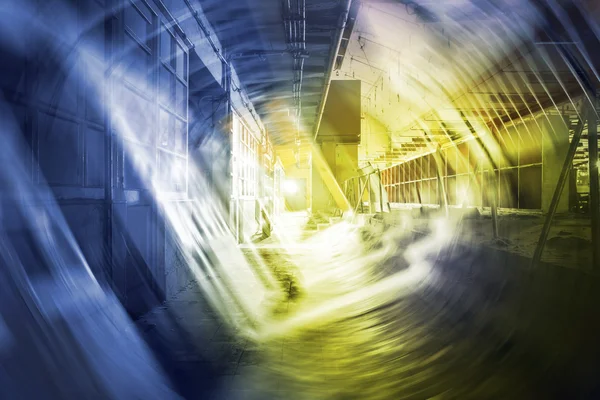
290,187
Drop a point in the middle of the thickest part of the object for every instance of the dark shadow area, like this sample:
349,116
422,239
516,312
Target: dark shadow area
185,358
539,324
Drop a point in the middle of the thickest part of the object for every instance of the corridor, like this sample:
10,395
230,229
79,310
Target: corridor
299,199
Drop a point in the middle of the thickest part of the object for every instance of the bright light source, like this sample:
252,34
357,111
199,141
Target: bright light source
290,187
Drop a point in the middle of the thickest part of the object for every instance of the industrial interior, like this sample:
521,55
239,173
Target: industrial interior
299,199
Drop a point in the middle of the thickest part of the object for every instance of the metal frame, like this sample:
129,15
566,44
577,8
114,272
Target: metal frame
594,183
364,184
588,114
564,173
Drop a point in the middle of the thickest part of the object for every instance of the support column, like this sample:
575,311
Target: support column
555,146
346,162
594,184
565,169
325,178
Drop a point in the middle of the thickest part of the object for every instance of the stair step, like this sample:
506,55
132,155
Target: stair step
322,226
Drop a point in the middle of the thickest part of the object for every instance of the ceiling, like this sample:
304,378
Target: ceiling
267,57
434,70
439,69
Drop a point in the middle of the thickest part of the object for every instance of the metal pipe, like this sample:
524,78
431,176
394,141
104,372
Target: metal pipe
360,197
296,41
290,18
293,38
564,173
338,43
303,14
257,53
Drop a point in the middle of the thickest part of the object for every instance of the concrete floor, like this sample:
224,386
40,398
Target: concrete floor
472,329
569,241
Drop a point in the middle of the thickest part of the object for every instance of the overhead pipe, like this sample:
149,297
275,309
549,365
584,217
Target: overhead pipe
294,18
264,53
228,81
338,43
205,30
302,23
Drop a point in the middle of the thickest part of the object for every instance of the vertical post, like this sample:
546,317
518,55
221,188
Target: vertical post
358,188
360,196
495,203
380,190
419,198
443,197
564,173
594,183
490,159
351,193
232,207
495,181
352,190
346,190
370,191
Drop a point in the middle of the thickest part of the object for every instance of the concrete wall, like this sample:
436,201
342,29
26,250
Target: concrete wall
302,174
374,138
529,156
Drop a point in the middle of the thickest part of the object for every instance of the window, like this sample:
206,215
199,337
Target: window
166,80
173,74
181,99
166,45
180,136
165,133
180,61
247,162
138,20
137,63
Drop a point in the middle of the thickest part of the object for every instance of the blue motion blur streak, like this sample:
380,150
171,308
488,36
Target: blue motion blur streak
62,334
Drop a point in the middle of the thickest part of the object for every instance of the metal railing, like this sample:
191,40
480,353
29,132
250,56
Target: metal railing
366,193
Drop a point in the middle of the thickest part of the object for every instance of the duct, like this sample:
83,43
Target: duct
338,43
